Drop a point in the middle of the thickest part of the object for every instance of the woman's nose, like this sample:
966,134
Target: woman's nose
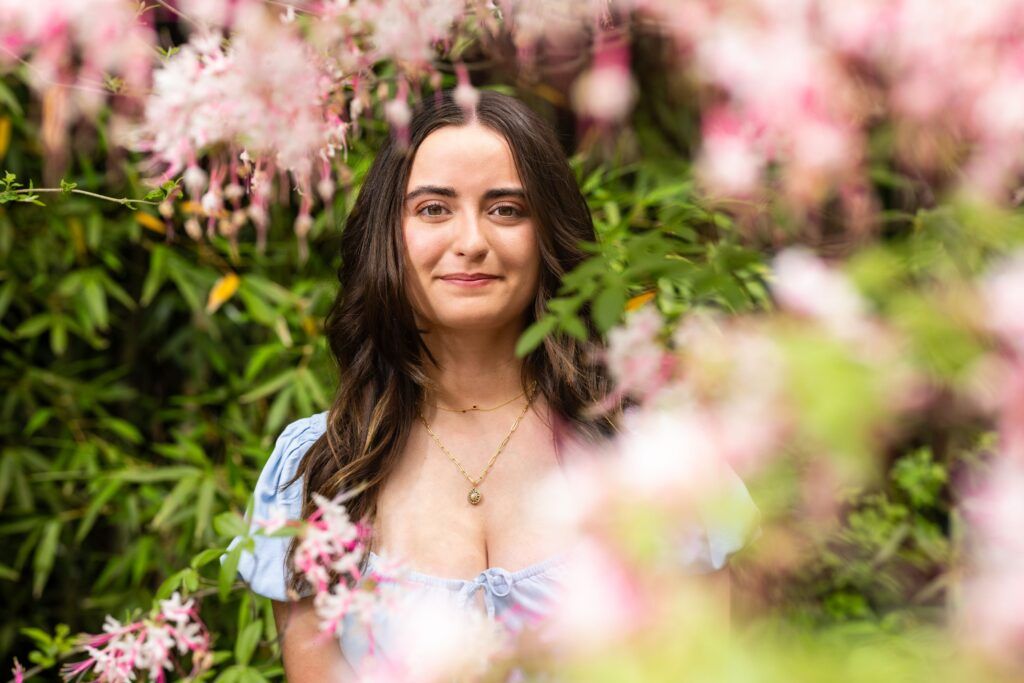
470,239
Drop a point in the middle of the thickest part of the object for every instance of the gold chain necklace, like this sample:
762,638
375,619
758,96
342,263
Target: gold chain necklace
482,410
474,496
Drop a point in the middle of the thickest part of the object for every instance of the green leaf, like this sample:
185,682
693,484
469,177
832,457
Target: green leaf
38,419
534,335
175,499
230,524
268,387
95,505
204,505
6,296
608,307
156,275
247,641
575,327
46,552
59,335
34,326
206,557
228,571
170,584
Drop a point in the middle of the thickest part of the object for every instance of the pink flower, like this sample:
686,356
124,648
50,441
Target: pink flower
600,603
635,356
1003,294
805,285
147,646
990,617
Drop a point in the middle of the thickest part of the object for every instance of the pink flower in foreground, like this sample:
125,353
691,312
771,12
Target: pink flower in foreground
991,617
329,542
1003,293
635,356
805,285
730,160
438,640
599,604
149,646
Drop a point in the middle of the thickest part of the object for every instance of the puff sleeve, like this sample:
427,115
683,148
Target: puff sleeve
727,523
264,568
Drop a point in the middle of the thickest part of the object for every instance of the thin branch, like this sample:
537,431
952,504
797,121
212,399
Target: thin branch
117,200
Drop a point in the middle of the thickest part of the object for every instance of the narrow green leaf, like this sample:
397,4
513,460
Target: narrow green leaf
278,412
230,524
608,307
248,639
6,296
175,499
34,326
95,300
170,584
575,327
228,570
156,275
59,335
268,387
534,335
97,503
204,505
46,552
38,419
206,557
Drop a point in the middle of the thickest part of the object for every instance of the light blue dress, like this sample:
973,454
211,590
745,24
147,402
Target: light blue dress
512,598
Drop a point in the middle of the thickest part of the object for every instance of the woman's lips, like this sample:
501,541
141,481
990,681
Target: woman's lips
470,281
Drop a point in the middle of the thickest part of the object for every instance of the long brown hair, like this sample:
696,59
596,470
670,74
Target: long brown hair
370,327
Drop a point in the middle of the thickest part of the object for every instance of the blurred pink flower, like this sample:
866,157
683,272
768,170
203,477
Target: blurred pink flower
606,92
439,640
805,285
1003,293
635,356
600,604
993,590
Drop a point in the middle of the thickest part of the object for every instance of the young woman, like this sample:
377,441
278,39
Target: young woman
453,247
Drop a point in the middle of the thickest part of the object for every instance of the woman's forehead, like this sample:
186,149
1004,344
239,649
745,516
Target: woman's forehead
471,156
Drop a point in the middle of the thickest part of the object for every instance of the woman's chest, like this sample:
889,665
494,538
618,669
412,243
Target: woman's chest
424,515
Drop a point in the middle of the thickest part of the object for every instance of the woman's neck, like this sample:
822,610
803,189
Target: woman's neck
478,369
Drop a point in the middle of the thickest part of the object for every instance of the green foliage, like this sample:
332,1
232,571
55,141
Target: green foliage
889,562
654,236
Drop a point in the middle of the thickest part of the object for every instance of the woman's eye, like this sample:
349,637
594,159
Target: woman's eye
513,212
428,210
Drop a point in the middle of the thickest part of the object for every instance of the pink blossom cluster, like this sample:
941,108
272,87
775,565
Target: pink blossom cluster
75,54
730,374
329,550
149,646
795,87
994,508
439,640
260,95
249,111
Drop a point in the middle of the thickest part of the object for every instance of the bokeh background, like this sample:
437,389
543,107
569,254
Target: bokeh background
809,259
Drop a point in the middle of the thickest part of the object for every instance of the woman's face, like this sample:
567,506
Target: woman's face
465,216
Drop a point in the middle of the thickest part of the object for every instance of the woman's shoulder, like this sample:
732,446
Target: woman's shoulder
292,443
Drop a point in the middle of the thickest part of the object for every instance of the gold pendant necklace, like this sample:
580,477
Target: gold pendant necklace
474,496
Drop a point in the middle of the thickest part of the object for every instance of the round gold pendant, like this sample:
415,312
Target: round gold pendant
474,497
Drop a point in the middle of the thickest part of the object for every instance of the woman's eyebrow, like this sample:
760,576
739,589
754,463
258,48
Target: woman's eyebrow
493,193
